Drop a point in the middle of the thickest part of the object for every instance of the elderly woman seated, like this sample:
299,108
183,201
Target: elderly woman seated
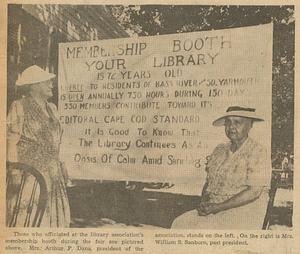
235,194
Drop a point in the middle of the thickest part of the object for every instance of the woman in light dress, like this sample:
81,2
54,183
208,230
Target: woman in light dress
235,195
33,138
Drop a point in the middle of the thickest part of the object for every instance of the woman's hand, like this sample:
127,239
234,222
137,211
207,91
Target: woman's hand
206,208
242,198
202,209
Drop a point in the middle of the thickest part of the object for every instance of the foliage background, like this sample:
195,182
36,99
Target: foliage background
149,20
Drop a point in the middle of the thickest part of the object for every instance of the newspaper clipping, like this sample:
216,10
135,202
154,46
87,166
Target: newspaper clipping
148,128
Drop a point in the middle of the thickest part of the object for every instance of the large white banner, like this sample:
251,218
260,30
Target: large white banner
142,108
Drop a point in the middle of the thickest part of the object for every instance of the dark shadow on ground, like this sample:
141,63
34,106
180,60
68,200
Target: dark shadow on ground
90,203
94,205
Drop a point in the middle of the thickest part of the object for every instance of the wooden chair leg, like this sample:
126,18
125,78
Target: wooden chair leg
267,218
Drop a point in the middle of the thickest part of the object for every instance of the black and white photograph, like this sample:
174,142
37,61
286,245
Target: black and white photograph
150,116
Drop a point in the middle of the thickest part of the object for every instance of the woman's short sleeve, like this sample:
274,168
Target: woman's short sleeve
258,171
15,119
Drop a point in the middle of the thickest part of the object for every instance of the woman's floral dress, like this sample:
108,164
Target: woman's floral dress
33,138
227,175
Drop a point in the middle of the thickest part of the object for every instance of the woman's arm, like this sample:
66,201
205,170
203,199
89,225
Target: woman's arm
15,119
204,193
242,198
